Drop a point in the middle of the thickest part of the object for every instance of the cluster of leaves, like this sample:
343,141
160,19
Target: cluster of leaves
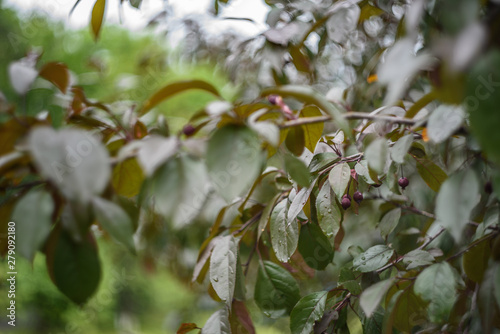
272,175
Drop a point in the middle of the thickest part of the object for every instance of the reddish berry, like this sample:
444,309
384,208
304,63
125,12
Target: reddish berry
403,182
189,130
358,196
346,203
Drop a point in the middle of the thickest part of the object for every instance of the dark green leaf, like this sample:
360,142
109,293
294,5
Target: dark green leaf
297,170
431,173
315,247
321,160
295,140
389,222
276,291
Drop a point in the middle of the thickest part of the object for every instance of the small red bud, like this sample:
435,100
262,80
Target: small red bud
273,99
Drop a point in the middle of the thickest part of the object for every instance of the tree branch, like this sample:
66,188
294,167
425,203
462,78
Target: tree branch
349,115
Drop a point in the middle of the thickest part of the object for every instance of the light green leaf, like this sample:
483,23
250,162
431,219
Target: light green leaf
361,169
295,140
328,211
33,218
115,221
371,297
389,222
339,179
223,268
457,197
444,121
374,258
234,160
72,159
400,148
179,189
284,233
376,155
417,258
276,291
175,88
218,323
353,322
308,310
437,285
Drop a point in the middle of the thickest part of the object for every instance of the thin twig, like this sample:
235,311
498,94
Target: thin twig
349,115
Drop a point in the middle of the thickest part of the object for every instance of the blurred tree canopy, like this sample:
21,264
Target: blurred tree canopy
344,177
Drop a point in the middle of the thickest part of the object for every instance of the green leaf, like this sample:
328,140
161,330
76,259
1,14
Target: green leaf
308,310
417,258
310,96
482,101
407,310
488,300
97,17
135,3
339,178
234,160
328,211
33,218
372,296
314,131
321,160
295,140
276,291
431,173
218,323
455,201
75,267
389,222
115,221
376,155
475,260
284,233
444,121
266,215
223,268
353,322
179,189
315,247
72,159
374,258
175,88
297,170
299,201
400,148
361,169
437,285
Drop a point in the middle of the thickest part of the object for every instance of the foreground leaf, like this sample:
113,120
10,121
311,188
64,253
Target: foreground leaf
276,291
374,258
372,296
307,311
218,323
234,160
284,233
223,268
437,285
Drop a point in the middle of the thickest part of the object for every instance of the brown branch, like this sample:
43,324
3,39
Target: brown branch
349,116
